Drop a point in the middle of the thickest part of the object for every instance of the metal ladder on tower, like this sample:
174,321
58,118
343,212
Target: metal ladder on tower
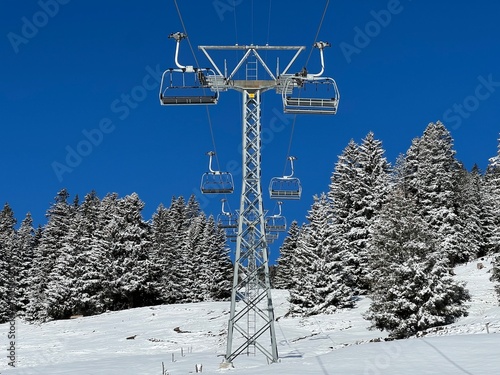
252,70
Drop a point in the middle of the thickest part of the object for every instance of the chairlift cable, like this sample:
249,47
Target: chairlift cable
307,61
268,28
197,64
290,144
185,32
269,22
319,29
212,136
235,26
252,19
236,53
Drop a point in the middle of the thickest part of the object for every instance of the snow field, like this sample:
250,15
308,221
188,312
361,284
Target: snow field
184,335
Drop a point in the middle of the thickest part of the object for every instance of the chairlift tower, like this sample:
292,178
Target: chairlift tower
251,317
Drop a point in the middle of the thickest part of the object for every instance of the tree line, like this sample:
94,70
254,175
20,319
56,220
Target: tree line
101,255
391,232
394,233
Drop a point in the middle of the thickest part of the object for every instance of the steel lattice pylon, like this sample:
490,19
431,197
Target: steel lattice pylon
251,321
252,314
251,282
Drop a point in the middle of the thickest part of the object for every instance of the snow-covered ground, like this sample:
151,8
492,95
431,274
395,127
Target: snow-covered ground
180,337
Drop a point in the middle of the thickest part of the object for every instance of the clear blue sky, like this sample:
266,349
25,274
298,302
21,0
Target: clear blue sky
78,69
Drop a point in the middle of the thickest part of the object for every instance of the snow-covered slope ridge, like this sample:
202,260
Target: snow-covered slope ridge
138,341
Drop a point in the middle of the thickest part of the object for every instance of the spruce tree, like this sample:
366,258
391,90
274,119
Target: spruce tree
492,214
169,226
412,289
284,270
213,267
8,264
432,175
190,257
24,245
470,210
130,272
181,268
46,254
491,201
221,267
90,277
343,183
358,188
62,292
193,257
161,254
320,279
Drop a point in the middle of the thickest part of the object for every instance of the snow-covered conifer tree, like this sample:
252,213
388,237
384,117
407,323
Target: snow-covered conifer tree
491,201
180,267
24,245
470,209
130,274
412,288
8,264
91,261
492,214
191,260
65,294
193,257
358,188
49,248
320,279
161,253
432,177
284,269
212,277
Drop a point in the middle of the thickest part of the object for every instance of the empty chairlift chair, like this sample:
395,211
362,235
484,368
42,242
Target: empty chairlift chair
187,85
311,93
216,182
276,223
271,237
286,187
229,222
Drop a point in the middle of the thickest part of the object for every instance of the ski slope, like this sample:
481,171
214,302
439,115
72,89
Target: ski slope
180,337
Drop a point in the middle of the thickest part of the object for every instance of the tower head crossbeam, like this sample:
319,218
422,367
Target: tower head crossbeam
273,82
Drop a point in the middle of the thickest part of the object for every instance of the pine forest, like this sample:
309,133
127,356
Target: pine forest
394,233
100,255
391,232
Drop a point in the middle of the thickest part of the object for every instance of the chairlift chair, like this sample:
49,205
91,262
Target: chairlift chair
311,93
271,237
227,220
187,85
216,182
276,223
285,187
